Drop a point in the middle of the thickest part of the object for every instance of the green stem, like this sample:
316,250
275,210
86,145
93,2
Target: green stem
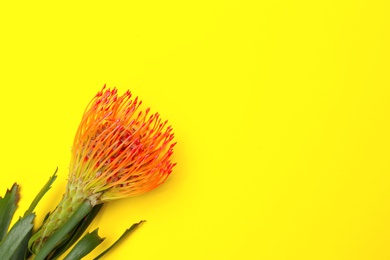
71,200
57,237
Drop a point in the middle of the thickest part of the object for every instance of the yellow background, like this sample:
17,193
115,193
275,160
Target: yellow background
280,110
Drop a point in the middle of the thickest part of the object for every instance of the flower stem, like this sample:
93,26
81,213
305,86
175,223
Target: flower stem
71,200
59,235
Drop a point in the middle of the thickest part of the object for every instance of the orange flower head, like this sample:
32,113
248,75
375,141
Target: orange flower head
119,151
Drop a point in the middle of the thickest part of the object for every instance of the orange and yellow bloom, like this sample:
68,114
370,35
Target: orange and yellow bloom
119,151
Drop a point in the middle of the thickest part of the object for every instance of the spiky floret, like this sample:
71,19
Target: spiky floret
118,151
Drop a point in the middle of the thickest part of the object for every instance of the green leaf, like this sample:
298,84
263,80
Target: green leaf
85,246
41,193
124,235
8,206
21,252
64,230
78,231
15,237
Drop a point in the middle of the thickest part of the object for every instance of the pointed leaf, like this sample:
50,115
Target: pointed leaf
15,237
41,193
8,206
124,235
85,246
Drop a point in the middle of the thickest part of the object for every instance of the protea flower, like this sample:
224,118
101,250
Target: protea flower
118,152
